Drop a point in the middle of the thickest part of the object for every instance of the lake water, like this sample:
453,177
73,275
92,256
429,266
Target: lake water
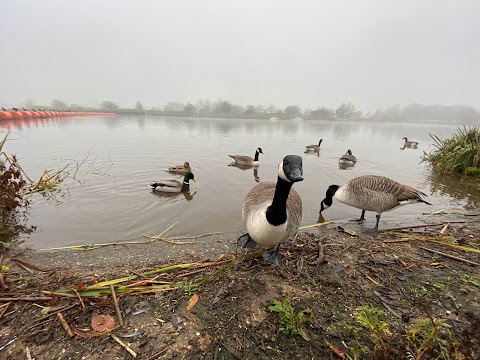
110,199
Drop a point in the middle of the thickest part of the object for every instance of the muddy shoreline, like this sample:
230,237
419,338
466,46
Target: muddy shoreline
333,271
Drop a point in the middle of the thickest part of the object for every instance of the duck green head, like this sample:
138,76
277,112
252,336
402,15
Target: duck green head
188,176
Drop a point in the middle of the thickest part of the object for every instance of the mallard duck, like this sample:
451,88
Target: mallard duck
272,212
173,185
347,159
247,160
180,169
407,143
372,193
313,147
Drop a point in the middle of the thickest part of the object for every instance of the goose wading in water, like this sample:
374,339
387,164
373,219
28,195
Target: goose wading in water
372,193
246,160
180,169
173,186
347,159
272,212
313,147
407,143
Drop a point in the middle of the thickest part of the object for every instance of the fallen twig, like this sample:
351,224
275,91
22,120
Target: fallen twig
64,324
26,298
54,313
125,346
316,225
115,304
4,308
26,264
450,256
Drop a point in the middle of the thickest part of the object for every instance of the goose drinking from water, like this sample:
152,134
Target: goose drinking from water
347,159
246,160
272,212
372,193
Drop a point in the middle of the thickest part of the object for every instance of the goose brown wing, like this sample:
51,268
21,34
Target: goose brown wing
388,186
256,197
294,213
241,158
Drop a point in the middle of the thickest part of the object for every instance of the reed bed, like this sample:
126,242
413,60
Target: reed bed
458,154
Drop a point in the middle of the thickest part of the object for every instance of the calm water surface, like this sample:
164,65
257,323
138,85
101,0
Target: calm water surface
110,199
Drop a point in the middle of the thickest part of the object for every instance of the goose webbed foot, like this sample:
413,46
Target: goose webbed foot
273,257
362,217
372,232
246,241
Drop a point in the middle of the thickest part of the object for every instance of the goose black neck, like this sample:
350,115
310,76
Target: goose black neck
256,156
277,212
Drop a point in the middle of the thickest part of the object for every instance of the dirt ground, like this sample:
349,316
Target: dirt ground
331,270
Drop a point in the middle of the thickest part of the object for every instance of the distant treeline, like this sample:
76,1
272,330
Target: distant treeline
345,111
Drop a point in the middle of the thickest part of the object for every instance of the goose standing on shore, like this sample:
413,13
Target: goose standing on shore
313,147
173,186
411,144
272,212
247,160
348,159
372,193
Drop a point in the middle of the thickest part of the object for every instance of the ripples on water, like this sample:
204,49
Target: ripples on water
119,205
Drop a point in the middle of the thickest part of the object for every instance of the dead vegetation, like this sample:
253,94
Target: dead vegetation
411,293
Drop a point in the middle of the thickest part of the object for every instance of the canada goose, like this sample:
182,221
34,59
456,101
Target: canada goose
173,185
247,160
372,193
348,159
412,144
4,109
313,147
14,108
180,169
272,212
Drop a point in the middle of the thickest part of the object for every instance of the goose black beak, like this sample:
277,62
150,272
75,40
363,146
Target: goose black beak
296,175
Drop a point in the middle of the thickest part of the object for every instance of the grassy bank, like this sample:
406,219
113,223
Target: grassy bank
459,154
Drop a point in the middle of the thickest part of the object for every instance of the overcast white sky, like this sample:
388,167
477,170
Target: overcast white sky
373,53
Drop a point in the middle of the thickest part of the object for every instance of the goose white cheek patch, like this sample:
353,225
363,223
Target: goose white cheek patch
281,173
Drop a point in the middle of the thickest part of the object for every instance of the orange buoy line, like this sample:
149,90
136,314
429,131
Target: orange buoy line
29,114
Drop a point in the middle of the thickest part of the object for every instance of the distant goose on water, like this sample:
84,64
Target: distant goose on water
407,143
247,160
347,159
313,147
272,212
372,193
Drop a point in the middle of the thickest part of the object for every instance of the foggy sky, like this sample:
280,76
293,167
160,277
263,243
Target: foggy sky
310,53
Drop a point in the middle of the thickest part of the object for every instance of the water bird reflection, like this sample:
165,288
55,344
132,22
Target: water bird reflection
175,197
247,167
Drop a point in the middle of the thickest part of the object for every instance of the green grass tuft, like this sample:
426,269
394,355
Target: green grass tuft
458,154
